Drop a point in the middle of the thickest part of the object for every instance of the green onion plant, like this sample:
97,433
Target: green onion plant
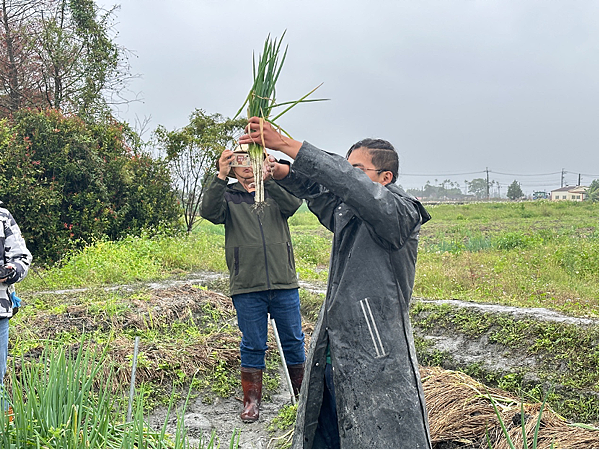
524,433
63,401
261,101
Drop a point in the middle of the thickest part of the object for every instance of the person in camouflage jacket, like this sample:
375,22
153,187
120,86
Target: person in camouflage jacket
16,260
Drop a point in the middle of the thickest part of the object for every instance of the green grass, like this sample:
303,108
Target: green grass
146,258
63,401
134,259
494,211
530,254
524,436
536,254
282,426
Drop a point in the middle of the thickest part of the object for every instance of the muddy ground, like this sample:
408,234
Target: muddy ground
222,417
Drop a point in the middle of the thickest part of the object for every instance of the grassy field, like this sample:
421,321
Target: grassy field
532,254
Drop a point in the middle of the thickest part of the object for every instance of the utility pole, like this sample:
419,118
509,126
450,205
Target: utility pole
579,180
487,184
562,178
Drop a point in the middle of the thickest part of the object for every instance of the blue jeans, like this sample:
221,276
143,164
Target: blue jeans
252,309
3,358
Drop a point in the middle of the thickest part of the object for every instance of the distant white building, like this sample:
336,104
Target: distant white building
572,193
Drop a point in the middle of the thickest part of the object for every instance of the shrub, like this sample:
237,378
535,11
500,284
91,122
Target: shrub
67,181
311,249
510,240
579,258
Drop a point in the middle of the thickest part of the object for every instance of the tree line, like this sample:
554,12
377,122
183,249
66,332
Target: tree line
69,171
479,189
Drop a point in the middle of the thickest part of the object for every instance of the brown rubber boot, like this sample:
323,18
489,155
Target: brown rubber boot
296,376
10,414
252,386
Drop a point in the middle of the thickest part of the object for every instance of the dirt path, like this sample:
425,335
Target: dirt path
222,417
200,278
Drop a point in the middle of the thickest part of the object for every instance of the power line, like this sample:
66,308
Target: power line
526,175
584,174
494,172
439,174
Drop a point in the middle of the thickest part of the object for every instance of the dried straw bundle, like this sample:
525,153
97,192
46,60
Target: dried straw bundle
460,414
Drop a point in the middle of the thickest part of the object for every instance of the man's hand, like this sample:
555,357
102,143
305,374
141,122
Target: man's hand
267,171
275,169
225,164
261,132
7,272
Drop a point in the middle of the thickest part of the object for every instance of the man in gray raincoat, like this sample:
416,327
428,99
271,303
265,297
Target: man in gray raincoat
362,387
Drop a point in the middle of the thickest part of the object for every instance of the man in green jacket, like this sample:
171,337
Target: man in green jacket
262,273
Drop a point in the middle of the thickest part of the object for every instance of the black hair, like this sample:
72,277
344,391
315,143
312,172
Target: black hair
383,155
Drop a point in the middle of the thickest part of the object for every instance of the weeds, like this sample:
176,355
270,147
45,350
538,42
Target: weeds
187,336
310,304
283,422
133,259
556,346
62,401
170,323
523,420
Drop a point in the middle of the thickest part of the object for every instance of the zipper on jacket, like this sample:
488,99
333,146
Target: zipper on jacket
262,233
289,250
236,260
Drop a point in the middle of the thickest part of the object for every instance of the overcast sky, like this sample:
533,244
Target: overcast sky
456,86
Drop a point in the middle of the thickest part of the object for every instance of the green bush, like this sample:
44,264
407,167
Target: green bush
311,249
67,182
511,240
